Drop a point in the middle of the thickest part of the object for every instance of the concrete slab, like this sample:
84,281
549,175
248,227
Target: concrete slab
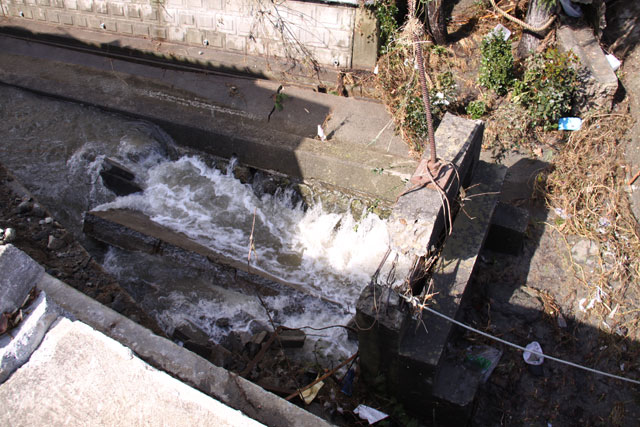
18,275
599,82
226,116
17,346
82,377
181,363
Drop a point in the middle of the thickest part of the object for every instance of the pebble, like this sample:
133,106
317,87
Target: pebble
38,211
25,207
10,235
55,243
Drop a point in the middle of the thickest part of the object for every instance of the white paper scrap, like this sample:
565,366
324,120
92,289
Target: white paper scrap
368,413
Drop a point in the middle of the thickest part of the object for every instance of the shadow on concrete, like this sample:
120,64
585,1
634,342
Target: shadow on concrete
512,299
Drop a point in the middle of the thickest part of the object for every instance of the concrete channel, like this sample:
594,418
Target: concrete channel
230,116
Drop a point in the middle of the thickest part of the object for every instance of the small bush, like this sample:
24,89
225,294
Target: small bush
547,87
477,109
496,66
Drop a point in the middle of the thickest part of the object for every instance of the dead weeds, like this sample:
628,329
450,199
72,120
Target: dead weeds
587,191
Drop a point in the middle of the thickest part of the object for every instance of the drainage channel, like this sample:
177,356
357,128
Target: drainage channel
57,149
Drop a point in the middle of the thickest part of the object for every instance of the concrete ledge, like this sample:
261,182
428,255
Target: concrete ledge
18,275
508,227
134,231
17,346
82,377
165,355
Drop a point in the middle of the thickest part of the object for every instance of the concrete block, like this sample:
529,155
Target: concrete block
244,26
17,347
213,4
133,11
215,39
44,2
159,33
85,5
331,16
186,19
140,30
96,380
66,19
598,81
256,47
101,7
53,17
58,3
194,4
508,227
225,24
41,15
80,20
365,40
205,21
177,34
71,4
332,57
149,13
18,275
236,6
110,25
236,43
124,28
194,36
116,9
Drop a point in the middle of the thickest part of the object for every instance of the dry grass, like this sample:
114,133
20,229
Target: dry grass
587,188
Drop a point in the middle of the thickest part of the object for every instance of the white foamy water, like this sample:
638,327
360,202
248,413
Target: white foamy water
331,255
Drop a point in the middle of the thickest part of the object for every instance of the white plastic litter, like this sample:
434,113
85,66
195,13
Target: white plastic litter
570,9
570,123
375,70
506,33
321,134
530,358
613,61
368,413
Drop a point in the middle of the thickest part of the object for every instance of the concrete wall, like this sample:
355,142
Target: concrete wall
247,27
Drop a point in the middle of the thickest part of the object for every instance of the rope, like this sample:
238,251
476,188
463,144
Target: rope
484,334
523,24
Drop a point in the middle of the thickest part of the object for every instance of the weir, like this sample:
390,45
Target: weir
227,117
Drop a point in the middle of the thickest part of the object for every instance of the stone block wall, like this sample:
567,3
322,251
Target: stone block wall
249,27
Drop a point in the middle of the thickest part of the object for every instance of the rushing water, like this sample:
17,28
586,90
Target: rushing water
56,149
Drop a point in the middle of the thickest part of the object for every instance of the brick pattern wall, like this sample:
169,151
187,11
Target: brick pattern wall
252,27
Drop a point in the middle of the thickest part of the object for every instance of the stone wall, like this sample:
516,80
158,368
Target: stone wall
326,33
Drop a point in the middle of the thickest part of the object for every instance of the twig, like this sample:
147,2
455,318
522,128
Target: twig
325,376
632,180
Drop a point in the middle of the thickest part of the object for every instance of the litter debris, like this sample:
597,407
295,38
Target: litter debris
569,123
614,62
347,382
375,70
309,394
570,9
506,33
321,134
483,359
368,413
530,358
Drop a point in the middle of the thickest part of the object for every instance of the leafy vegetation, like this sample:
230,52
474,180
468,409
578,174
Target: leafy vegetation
496,66
386,12
547,87
477,109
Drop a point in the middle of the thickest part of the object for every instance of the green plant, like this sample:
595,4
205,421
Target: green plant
547,87
386,13
496,66
278,100
477,109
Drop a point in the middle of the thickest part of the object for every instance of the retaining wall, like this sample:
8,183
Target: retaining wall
336,35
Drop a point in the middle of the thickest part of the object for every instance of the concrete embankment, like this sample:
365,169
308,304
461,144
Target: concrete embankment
264,125
98,363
